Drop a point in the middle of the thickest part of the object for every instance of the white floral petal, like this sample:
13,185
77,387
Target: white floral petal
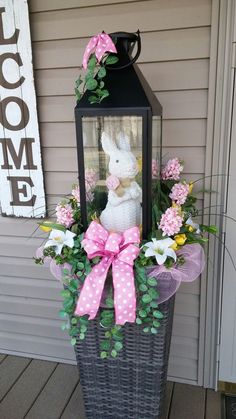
58,248
150,252
57,233
50,243
167,242
171,253
160,258
69,243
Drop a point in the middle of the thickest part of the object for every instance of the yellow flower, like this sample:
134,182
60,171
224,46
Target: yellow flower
174,246
190,228
139,161
45,228
190,187
180,239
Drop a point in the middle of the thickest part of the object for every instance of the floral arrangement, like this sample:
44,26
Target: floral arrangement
98,54
148,272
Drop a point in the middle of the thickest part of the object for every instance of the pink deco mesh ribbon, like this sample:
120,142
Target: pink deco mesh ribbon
99,44
169,280
120,251
56,270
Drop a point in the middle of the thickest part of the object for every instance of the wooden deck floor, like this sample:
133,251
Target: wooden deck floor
35,389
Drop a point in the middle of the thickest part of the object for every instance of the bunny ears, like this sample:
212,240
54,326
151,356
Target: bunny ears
109,145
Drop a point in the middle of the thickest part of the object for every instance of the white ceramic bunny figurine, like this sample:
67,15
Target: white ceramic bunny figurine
123,210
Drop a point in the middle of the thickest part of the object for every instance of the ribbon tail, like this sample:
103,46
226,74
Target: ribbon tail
124,292
91,293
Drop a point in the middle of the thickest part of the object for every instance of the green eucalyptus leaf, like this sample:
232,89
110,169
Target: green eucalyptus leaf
83,328
91,84
153,330
146,329
146,298
101,73
118,346
138,320
106,345
111,59
152,282
114,353
142,313
154,304
156,323
62,314
81,336
143,287
103,354
153,293
73,341
158,314
92,62
74,320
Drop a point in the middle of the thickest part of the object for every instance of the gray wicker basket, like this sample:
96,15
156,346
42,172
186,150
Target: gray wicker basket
131,386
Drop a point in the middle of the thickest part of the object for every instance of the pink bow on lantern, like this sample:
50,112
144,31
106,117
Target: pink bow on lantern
99,44
119,251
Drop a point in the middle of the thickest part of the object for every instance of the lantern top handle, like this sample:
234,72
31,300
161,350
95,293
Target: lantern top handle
126,41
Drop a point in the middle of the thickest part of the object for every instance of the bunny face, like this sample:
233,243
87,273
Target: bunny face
123,163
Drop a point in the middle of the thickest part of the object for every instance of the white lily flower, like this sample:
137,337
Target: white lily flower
194,226
58,239
160,249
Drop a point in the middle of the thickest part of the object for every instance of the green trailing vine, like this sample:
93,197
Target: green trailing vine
94,79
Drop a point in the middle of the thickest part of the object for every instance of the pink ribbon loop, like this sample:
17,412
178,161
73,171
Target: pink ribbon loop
99,44
120,251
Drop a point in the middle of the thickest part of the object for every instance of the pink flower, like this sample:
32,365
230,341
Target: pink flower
112,182
179,193
64,215
91,178
170,222
76,194
172,169
154,168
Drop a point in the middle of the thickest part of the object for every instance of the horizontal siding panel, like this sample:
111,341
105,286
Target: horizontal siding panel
184,347
186,326
186,104
181,133
30,288
32,326
172,75
182,44
187,305
10,226
66,159
19,246
45,5
23,267
55,348
183,368
149,16
24,306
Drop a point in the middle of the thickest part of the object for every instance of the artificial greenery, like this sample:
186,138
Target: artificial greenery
94,79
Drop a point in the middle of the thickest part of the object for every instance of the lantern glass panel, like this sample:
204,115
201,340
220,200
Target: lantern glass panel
96,161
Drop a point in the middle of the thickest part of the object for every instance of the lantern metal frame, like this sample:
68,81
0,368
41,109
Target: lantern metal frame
140,101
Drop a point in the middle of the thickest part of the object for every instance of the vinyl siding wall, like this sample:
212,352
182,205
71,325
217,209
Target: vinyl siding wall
175,61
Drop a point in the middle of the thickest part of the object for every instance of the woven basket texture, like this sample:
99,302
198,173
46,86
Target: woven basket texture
131,386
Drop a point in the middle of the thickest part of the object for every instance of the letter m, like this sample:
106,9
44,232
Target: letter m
24,148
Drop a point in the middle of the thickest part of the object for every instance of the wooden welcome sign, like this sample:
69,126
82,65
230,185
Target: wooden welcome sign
21,177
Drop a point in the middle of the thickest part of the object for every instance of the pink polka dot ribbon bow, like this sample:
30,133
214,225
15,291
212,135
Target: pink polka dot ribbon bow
99,44
120,251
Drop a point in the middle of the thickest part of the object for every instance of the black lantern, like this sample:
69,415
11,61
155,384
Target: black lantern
131,110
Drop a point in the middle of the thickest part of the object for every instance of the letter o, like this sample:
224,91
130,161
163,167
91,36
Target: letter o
24,113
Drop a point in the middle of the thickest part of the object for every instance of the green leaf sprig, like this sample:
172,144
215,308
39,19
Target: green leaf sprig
94,79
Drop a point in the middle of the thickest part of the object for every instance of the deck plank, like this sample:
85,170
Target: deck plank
213,404
167,401
56,393
75,407
22,395
2,357
10,369
187,402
